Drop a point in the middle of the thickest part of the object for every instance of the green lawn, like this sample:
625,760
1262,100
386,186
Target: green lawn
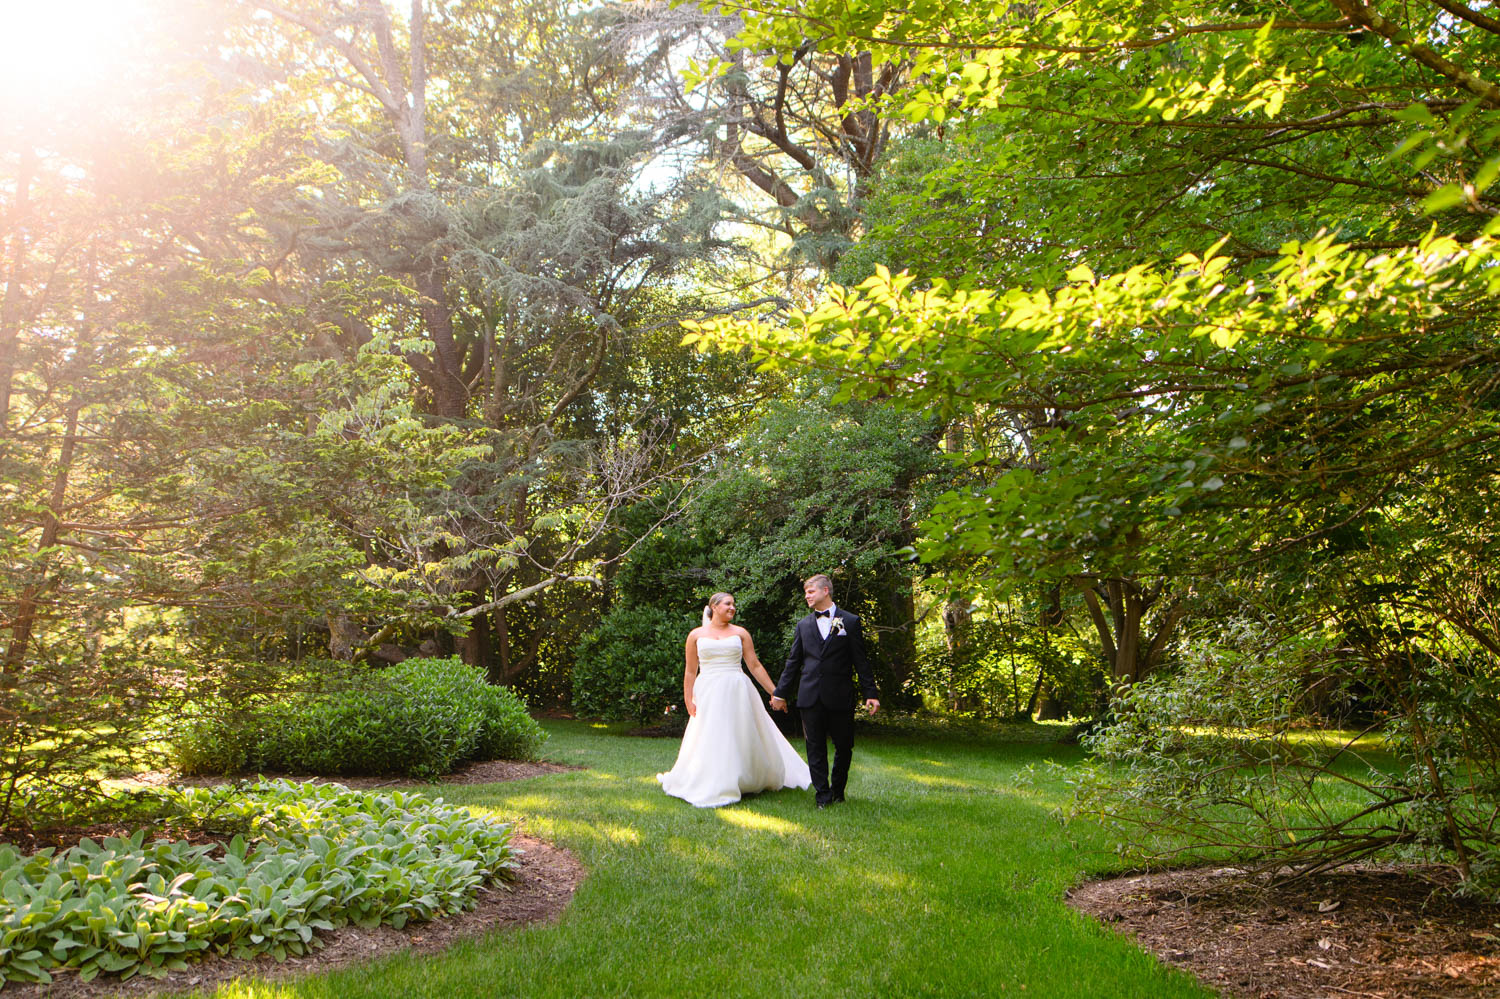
942,876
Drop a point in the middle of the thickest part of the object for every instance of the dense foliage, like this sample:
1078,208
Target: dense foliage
631,665
1218,756
338,331
1002,667
1207,345
299,859
421,718
319,338
809,487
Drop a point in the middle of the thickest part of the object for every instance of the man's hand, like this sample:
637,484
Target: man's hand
777,703
873,705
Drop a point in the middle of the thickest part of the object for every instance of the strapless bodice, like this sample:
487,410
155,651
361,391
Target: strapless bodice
715,654
731,747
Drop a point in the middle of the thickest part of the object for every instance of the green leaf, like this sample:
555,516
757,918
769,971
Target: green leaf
1445,197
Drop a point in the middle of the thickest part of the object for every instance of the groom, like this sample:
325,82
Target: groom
826,649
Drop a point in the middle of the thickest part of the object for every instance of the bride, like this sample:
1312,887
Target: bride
731,746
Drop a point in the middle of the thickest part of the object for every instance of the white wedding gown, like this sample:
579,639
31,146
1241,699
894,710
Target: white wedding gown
731,746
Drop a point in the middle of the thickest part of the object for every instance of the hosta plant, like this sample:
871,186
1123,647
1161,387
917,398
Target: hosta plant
299,859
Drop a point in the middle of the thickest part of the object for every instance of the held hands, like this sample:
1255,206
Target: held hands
779,704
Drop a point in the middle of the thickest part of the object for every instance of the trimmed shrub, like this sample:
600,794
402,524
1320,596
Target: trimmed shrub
419,719
629,668
506,730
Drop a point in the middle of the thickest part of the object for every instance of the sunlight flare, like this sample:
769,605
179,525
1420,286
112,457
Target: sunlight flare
62,48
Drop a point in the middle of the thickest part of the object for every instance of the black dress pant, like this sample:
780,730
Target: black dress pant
819,724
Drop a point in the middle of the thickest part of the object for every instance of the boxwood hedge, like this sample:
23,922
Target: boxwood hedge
421,718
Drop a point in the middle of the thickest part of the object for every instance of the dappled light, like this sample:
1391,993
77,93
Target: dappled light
847,471
897,868
744,818
939,782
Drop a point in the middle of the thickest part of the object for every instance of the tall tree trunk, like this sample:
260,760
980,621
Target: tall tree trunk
898,641
450,395
1044,704
1127,598
1121,645
12,301
499,667
474,647
24,623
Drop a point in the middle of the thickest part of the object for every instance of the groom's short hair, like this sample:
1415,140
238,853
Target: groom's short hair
819,580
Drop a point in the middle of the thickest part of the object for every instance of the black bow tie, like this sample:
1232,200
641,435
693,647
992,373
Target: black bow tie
823,613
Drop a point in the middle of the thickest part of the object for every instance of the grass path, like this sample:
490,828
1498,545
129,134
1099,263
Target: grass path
942,876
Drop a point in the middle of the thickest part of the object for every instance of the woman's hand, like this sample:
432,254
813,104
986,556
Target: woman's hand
692,707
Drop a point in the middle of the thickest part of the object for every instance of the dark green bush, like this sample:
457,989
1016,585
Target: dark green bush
630,666
506,731
419,719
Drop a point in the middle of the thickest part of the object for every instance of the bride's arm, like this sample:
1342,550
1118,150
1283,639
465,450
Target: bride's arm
756,669
690,673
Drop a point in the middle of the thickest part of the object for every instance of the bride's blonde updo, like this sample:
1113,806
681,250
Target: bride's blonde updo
714,601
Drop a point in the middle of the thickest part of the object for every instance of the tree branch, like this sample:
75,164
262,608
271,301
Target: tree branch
1366,15
521,594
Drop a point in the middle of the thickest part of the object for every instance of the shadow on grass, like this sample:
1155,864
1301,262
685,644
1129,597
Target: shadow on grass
942,876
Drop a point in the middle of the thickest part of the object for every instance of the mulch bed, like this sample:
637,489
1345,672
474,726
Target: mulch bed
1364,931
544,884
62,838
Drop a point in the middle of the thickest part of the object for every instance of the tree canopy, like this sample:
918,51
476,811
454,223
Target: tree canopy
342,330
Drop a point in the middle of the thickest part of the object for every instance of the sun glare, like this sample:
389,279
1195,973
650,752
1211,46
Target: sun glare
57,49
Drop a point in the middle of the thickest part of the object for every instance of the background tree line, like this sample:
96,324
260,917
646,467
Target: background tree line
1111,358
340,332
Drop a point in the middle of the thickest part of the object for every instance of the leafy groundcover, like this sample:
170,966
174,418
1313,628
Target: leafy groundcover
301,858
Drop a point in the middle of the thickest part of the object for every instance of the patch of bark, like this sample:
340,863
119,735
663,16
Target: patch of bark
542,886
1365,930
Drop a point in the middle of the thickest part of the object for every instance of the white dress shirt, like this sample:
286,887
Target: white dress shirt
826,623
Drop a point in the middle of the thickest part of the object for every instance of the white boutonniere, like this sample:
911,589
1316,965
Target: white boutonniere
837,627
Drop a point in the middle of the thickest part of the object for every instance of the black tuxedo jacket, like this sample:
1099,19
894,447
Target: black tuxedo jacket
820,672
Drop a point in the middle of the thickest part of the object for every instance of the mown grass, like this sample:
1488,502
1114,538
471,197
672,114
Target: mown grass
942,876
